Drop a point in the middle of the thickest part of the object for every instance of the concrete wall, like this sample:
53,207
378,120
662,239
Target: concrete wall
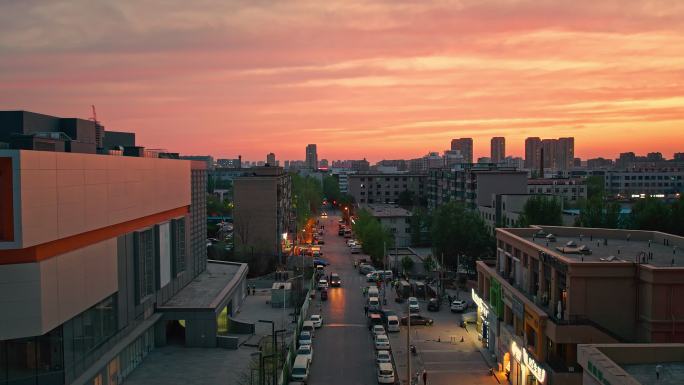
255,214
65,194
499,183
37,297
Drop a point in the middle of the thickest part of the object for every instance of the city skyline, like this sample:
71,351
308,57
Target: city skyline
388,87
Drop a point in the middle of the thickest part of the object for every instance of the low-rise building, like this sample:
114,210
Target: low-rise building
385,188
393,218
571,190
552,288
661,182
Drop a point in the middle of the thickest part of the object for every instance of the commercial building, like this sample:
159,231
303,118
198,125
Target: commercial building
473,184
552,288
262,217
311,157
393,218
571,190
465,146
385,188
100,257
498,147
659,182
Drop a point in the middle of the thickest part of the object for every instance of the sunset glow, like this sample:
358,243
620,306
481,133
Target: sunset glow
381,79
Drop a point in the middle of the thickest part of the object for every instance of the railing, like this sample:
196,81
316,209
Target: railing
284,378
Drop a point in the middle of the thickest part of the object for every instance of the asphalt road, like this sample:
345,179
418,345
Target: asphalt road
343,348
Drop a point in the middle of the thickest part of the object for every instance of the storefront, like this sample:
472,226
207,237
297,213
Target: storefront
487,323
523,369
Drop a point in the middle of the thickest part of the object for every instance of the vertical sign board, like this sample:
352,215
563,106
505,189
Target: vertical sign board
164,254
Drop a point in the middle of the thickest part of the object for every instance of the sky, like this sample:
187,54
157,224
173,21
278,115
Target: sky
375,79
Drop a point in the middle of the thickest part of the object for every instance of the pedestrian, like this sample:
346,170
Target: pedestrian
424,377
365,310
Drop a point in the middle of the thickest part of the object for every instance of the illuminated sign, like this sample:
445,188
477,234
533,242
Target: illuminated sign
522,356
480,304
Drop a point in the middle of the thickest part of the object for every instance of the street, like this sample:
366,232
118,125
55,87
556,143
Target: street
343,347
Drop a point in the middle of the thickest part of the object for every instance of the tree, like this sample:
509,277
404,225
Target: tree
458,233
407,198
406,264
331,188
374,238
597,212
429,263
542,210
307,196
595,187
651,214
420,226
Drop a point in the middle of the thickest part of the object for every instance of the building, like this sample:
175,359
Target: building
324,164
359,165
631,364
342,178
571,190
271,159
229,163
553,288
498,147
103,256
661,182
114,140
453,158
207,159
473,184
385,188
599,163
393,218
311,157
533,146
565,154
263,217
465,146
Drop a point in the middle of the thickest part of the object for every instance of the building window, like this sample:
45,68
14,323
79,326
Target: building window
178,245
144,257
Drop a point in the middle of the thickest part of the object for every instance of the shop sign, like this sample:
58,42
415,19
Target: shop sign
597,373
522,356
480,304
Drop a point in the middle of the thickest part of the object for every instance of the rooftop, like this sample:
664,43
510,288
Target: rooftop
208,289
652,248
671,373
386,210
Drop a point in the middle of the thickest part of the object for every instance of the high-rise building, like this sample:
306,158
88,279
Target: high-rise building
533,147
271,159
498,149
311,157
565,154
548,153
465,145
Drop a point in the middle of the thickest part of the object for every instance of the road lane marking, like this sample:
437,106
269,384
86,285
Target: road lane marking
345,325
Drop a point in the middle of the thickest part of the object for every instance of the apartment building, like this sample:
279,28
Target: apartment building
393,218
571,190
552,288
498,149
473,184
102,258
660,182
385,188
465,147
263,216
311,157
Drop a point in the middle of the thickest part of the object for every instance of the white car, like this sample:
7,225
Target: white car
306,351
385,373
356,249
413,305
351,242
378,329
382,342
458,306
304,338
317,320
383,356
322,284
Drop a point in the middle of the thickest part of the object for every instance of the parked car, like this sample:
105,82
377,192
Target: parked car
372,276
305,338
382,342
351,242
458,306
324,294
417,319
317,320
340,232
306,351
300,369
392,323
378,329
365,269
434,304
383,356
356,249
335,280
385,373
322,284
320,262
414,307
374,319
309,326
373,303
321,242
387,313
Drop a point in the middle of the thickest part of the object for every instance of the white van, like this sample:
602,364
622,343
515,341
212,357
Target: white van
309,327
300,369
392,323
373,291
373,303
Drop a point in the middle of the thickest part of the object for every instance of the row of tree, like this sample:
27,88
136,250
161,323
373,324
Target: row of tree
307,197
331,191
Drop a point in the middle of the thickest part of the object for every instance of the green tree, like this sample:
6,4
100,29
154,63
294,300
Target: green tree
429,263
331,188
373,236
420,226
406,263
595,187
458,233
307,196
542,210
407,199
651,214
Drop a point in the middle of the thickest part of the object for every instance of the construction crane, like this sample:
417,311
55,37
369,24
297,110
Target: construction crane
94,118
99,129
